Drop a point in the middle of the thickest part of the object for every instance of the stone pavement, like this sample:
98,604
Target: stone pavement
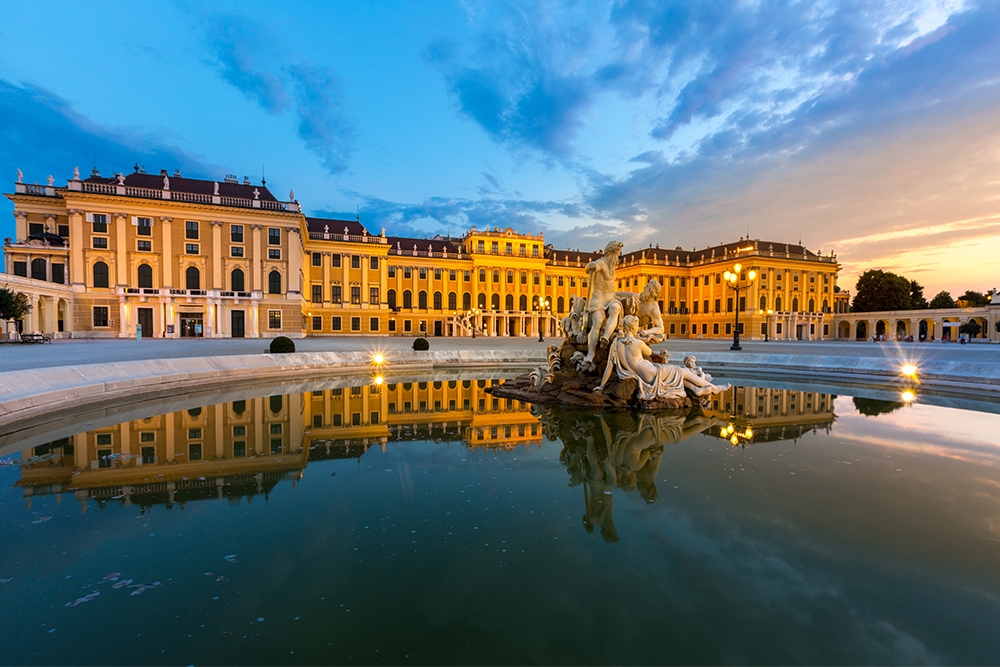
15,357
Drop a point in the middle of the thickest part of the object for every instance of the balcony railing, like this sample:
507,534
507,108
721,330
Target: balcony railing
152,193
212,294
403,252
351,238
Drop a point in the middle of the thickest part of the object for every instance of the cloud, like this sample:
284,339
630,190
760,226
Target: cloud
42,134
323,124
247,57
244,55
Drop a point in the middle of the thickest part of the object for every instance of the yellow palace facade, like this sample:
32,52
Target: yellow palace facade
166,256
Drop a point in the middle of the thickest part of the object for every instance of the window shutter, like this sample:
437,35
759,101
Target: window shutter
90,217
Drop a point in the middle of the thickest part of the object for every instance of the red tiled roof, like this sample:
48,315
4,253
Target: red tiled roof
192,185
423,245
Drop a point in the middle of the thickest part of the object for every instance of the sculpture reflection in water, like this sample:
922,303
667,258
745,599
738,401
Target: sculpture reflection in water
604,451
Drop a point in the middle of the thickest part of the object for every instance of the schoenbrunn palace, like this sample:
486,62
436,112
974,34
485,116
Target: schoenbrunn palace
170,256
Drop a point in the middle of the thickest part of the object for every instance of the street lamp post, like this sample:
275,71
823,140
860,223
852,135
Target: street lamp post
543,305
735,281
472,320
767,324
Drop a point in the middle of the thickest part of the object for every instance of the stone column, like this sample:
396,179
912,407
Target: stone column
167,263
126,439
326,279
32,323
364,280
258,425
383,277
169,453
21,226
294,262
345,283
76,268
220,440
217,282
257,260
123,317
121,251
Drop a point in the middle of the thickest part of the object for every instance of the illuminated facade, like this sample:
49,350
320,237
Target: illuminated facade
176,257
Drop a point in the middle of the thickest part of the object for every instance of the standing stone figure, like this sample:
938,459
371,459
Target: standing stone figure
646,307
603,309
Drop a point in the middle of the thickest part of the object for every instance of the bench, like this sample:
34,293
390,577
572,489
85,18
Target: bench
34,338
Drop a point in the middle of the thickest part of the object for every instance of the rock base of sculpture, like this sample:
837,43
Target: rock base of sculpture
564,385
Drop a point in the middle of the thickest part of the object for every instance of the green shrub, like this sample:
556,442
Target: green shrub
421,344
282,345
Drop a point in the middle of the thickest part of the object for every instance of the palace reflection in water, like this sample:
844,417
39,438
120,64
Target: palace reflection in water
243,448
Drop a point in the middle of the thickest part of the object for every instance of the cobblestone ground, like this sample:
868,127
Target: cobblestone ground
15,356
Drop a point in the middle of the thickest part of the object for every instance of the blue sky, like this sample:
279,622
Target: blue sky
866,128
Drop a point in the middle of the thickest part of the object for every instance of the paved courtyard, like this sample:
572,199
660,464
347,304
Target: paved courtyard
74,352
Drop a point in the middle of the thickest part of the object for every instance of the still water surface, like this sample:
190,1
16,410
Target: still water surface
430,523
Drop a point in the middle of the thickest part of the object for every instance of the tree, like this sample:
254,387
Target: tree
13,305
917,300
942,300
971,327
881,290
974,298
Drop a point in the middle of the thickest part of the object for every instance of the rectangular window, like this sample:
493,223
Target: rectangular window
335,323
452,274
355,261
273,236
194,434
494,247
63,231
482,275
467,275
373,296
274,319
704,328
100,316
373,324
694,308
684,282
274,253
508,249
729,328
683,329
560,281
479,247
335,260
718,305
496,275
100,221
58,275
729,304
763,330
672,281
423,273
777,328
275,429
236,233
191,229
672,328
696,281
100,242
275,445
337,419
191,248
355,419
523,250
407,326
356,294
144,226
103,438
355,324
407,273
705,303
236,251
317,294
391,271
239,431
718,278
548,281
141,246
335,295
194,451
148,455
715,328
392,325
39,228
373,263
317,259
437,274
572,282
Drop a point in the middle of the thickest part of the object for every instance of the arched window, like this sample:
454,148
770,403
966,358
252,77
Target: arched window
452,301
795,305
274,282
237,281
422,300
509,302
534,302
763,303
144,273
560,305
495,302
437,300
407,299
100,274
466,301
481,301
826,306
812,306
38,268
193,277
523,302
275,404
390,298
777,303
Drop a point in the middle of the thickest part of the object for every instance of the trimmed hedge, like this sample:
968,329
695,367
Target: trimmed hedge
282,345
421,344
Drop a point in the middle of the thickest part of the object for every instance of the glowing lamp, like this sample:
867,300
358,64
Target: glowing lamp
737,268
726,275
734,440
378,358
749,432
907,396
909,370
379,380
752,275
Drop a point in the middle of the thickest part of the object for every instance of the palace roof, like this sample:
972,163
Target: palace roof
227,188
